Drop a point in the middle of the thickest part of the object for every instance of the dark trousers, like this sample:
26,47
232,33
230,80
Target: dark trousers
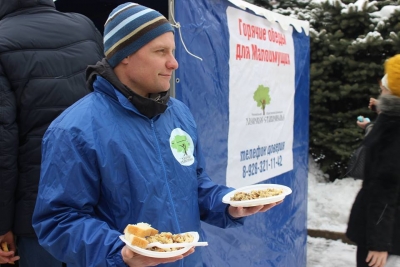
33,255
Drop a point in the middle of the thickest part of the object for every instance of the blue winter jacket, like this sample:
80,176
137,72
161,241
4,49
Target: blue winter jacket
105,165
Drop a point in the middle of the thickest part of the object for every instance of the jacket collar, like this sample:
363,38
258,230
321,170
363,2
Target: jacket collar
389,105
149,107
9,6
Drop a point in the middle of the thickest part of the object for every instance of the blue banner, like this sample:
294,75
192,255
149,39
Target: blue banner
277,237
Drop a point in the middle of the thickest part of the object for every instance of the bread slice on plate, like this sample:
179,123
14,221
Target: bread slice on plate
136,241
140,229
135,234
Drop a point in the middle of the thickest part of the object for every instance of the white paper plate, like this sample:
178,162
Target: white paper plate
156,254
256,202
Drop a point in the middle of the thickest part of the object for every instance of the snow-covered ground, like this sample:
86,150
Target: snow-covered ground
329,207
329,253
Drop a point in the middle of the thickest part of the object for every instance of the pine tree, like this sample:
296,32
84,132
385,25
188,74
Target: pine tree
349,43
267,4
279,6
349,46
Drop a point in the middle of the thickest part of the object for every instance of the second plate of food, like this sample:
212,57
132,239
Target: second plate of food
255,195
164,254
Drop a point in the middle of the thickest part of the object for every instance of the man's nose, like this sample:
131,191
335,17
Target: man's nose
172,63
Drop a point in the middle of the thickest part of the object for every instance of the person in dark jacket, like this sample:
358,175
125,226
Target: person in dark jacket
43,57
375,216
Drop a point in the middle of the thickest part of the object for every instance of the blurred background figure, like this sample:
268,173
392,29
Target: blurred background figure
372,105
375,215
43,57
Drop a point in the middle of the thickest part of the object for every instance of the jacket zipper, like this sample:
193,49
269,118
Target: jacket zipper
165,173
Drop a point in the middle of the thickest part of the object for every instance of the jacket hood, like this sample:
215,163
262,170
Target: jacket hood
10,6
389,105
154,105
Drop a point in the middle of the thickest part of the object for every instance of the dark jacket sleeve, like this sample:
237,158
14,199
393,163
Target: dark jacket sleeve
368,128
382,194
8,153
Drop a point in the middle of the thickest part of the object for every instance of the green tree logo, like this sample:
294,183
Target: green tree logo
180,143
261,96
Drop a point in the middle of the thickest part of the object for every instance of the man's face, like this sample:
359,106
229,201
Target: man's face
149,69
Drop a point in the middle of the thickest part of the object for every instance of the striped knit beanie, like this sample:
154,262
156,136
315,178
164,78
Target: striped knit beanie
128,28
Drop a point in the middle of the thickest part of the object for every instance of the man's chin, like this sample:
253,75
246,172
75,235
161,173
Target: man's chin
164,90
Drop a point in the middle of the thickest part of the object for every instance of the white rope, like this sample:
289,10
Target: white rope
178,26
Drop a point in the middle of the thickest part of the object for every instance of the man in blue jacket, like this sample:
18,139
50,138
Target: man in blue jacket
127,153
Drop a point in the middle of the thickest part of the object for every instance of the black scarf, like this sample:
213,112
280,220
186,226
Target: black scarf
153,105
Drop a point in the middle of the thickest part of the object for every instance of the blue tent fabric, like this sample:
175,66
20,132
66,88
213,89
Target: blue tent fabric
277,237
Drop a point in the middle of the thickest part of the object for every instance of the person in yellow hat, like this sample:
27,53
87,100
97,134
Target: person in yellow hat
375,216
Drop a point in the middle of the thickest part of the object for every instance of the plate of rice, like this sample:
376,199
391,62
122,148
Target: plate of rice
256,195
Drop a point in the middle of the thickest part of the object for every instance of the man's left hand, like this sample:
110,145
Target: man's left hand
239,212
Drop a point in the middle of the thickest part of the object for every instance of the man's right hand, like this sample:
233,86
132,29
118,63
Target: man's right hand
7,256
133,259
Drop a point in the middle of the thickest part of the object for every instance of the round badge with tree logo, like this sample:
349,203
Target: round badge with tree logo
182,146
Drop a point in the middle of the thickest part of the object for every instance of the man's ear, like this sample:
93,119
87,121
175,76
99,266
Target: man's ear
125,61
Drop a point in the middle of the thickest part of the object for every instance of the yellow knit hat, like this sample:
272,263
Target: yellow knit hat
391,80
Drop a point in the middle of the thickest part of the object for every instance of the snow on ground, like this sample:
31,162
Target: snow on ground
329,205
329,253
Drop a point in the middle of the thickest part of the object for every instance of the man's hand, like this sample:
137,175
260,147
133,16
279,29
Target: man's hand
377,258
238,212
133,259
7,251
